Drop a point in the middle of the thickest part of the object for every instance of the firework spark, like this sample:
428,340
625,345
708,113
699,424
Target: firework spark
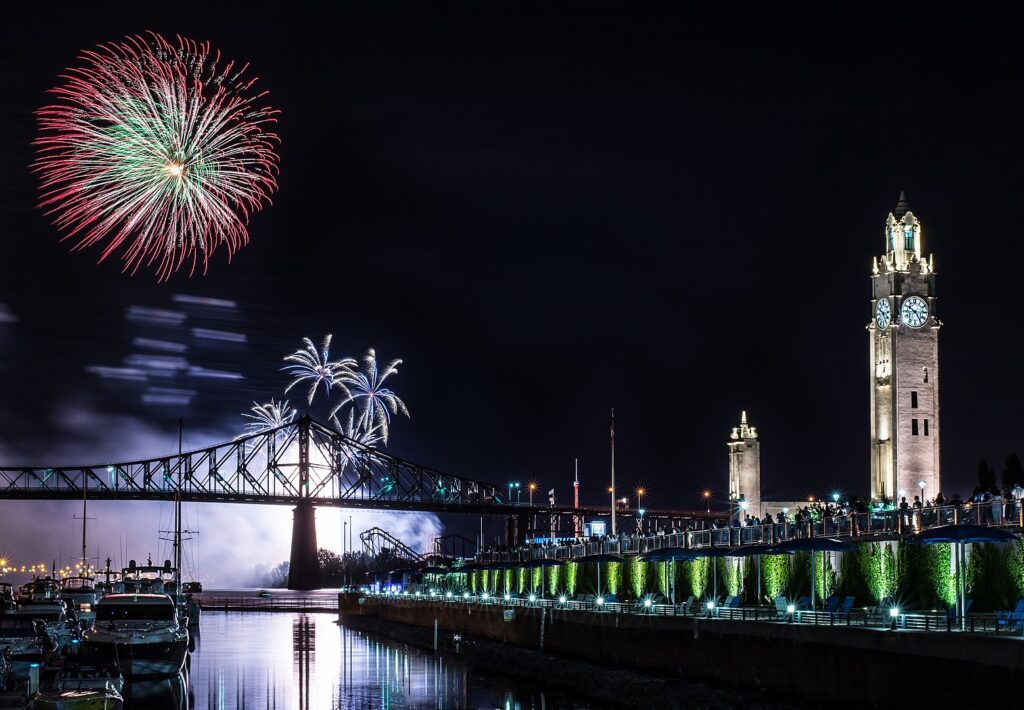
159,152
351,431
376,403
309,364
269,416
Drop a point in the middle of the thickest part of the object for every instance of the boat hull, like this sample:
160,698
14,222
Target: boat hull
157,659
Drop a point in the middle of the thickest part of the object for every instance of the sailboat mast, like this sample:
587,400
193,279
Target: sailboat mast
85,515
177,518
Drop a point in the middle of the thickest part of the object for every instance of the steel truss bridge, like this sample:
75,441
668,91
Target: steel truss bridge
301,462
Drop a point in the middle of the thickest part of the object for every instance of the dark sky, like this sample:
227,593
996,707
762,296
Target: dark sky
550,209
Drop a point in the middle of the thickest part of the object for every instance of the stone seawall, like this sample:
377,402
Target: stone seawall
834,666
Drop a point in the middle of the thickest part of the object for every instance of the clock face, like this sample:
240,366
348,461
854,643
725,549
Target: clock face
914,311
883,313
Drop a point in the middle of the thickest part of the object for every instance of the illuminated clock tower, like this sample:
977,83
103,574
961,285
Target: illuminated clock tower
903,341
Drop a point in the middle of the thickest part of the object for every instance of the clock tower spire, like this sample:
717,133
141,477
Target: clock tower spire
903,338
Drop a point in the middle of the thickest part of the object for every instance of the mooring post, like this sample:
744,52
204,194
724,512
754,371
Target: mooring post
435,633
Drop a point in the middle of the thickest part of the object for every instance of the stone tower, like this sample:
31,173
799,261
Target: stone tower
903,342
744,470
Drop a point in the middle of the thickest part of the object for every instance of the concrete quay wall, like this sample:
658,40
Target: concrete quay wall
834,666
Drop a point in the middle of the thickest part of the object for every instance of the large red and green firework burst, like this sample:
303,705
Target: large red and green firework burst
157,152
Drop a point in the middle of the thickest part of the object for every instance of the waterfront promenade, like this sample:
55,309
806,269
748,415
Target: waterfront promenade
879,525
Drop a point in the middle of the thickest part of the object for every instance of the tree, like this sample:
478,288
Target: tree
986,477
330,567
1013,474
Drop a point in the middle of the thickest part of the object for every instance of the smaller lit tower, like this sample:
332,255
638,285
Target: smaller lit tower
577,521
744,470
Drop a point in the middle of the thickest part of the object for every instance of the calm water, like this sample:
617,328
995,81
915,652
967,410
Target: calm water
307,661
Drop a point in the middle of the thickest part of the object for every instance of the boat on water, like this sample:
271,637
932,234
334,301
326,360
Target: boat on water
108,581
148,578
192,587
152,579
141,632
7,602
84,683
24,641
79,593
5,671
40,599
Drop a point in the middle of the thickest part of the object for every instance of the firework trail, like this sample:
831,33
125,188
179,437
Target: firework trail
158,152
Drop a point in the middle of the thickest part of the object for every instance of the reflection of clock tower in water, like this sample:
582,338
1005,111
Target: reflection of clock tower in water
904,350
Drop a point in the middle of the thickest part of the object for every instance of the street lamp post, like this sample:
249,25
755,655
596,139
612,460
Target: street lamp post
707,501
516,484
640,507
532,487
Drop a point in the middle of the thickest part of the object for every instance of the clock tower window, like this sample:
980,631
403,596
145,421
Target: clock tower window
913,400
908,238
913,427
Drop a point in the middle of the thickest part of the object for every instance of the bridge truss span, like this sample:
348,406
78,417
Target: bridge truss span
300,462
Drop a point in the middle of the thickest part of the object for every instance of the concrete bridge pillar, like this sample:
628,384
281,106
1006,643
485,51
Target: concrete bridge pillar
303,566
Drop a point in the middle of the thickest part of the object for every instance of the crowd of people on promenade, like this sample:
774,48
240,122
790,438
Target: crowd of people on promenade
983,507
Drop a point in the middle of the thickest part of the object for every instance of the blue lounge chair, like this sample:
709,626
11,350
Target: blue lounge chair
781,608
831,604
735,602
1010,620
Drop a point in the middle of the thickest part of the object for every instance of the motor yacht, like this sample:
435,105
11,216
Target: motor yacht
151,579
141,631
79,593
7,602
40,599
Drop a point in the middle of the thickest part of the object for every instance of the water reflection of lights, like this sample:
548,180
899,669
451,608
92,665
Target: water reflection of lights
309,661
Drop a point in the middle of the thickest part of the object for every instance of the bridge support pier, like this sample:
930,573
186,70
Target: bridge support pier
303,566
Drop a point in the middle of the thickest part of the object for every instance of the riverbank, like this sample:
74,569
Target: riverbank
606,687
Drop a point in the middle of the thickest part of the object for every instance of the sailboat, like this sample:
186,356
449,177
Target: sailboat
79,591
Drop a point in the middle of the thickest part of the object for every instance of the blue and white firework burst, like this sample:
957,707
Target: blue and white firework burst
373,404
308,364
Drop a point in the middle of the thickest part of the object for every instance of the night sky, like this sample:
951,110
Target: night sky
547,212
